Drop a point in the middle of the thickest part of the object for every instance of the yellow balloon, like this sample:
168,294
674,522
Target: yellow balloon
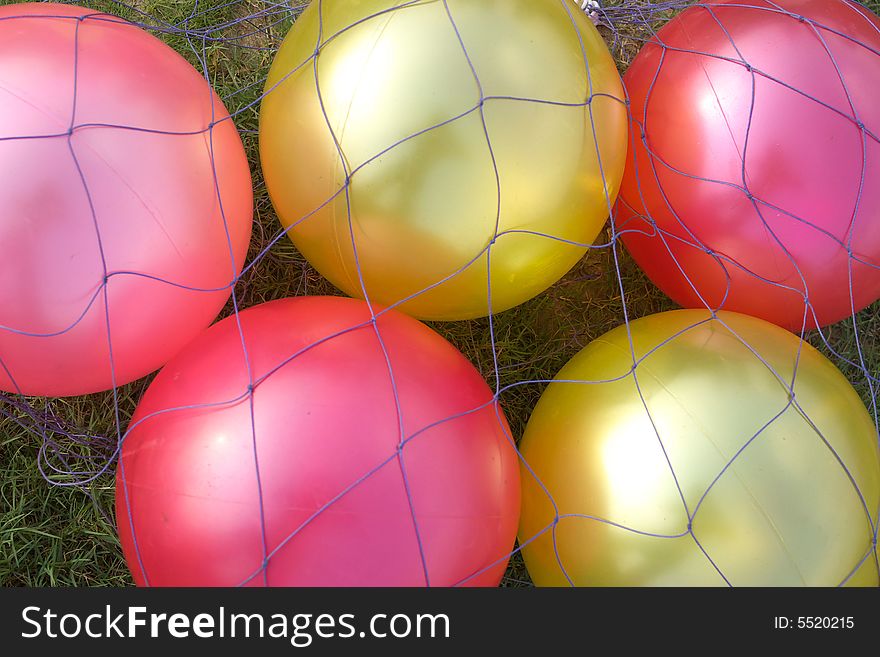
699,469
375,139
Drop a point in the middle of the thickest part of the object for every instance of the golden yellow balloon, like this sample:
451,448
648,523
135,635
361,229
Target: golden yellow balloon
411,146
700,468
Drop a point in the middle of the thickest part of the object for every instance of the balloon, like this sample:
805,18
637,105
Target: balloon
754,180
699,469
110,172
392,105
337,507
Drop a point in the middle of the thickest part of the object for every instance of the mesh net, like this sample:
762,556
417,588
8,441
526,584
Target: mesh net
76,441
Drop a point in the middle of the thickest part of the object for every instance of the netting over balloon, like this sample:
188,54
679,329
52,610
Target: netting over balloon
481,167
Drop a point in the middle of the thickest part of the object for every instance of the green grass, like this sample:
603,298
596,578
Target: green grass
54,535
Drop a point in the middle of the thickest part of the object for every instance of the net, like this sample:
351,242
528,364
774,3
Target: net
76,441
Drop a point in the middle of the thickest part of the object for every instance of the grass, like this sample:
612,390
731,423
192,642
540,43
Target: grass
64,535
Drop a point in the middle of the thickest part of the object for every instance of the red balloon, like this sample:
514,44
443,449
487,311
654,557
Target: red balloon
754,163
108,170
324,439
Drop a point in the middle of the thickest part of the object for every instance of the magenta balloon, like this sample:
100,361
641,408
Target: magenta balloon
760,161
336,505
106,167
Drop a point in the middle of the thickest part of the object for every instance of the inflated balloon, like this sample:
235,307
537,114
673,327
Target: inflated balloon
110,171
700,468
338,501
454,129
754,164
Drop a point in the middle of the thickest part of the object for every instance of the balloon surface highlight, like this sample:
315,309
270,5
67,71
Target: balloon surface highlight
697,466
753,177
421,148
125,206
350,476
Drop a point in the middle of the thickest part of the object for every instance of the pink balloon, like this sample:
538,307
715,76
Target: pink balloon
108,165
753,175
336,507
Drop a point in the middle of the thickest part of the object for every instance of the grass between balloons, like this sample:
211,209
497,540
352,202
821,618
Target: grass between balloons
64,535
